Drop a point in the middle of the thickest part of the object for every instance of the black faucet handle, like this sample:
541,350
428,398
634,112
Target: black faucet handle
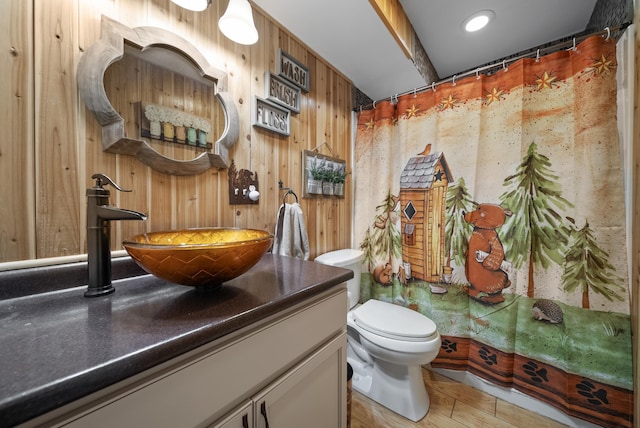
103,180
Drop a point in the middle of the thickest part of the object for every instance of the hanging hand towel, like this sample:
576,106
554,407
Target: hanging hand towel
291,234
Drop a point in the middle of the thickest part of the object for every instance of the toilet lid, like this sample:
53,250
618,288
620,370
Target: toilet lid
393,321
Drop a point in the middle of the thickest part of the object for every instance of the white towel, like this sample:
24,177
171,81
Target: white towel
291,234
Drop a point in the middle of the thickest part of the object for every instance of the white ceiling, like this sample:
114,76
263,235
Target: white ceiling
350,36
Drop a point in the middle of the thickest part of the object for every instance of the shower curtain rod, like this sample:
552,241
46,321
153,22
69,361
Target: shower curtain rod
569,42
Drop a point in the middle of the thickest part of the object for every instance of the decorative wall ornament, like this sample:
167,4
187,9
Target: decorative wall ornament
293,70
322,175
243,186
270,116
280,91
109,49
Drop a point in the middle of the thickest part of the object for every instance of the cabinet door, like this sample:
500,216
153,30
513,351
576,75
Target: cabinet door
311,395
240,418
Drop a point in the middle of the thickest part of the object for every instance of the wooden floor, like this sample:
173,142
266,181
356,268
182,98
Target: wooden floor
453,405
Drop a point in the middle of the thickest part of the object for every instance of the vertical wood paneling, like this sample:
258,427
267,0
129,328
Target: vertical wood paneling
57,180
66,143
17,232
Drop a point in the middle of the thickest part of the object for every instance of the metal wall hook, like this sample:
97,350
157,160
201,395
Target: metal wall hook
289,192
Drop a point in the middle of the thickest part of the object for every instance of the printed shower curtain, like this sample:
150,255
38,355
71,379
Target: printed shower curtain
495,206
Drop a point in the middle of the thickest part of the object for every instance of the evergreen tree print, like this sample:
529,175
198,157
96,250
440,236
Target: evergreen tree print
586,268
386,235
385,241
367,248
535,231
457,230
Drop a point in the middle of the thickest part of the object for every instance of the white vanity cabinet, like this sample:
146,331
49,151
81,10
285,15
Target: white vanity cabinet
240,418
311,395
292,364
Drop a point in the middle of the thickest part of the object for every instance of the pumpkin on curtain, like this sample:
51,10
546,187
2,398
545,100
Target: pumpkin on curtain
495,206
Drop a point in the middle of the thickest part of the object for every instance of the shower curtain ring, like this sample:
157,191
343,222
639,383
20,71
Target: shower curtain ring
374,105
504,65
415,94
433,86
608,33
538,55
477,74
453,82
573,48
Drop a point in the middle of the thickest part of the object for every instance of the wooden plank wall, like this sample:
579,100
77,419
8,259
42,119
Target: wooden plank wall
17,196
51,143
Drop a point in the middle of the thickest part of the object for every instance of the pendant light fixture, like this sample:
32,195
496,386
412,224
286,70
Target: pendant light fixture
194,5
237,23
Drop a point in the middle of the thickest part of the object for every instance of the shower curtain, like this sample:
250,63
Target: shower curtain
495,206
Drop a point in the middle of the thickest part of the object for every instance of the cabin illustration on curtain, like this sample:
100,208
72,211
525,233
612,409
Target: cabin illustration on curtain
423,190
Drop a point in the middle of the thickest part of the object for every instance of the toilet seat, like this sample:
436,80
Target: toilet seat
394,322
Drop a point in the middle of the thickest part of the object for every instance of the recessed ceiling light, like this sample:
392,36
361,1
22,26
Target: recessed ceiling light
478,20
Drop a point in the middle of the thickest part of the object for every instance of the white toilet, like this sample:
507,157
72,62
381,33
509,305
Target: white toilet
387,345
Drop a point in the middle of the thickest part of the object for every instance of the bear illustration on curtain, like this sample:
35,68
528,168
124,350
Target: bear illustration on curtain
485,265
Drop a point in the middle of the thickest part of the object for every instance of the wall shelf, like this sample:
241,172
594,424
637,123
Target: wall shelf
115,37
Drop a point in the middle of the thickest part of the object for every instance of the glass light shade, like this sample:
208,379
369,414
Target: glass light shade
195,5
237,23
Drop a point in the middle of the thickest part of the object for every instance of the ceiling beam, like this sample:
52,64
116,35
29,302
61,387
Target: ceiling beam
395,19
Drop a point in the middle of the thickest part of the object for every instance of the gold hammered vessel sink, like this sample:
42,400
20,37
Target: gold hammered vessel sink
199,257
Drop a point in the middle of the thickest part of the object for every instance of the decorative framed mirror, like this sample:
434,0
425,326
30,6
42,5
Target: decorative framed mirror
202,140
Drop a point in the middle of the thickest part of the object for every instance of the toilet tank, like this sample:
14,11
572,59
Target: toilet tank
348,259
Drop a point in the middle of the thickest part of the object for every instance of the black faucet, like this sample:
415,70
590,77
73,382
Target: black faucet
99,216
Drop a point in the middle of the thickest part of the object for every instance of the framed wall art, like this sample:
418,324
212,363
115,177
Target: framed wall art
280,91
293,70
271,116
322,175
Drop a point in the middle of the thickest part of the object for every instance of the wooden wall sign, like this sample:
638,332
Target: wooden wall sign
292,70
270,116
282,92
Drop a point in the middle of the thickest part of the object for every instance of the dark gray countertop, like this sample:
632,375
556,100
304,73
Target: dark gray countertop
57,346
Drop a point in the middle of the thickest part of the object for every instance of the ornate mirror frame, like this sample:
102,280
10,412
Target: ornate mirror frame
90,78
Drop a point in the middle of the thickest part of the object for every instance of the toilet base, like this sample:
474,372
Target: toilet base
399,388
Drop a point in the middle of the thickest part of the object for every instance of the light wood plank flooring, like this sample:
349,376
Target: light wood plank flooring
453,405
